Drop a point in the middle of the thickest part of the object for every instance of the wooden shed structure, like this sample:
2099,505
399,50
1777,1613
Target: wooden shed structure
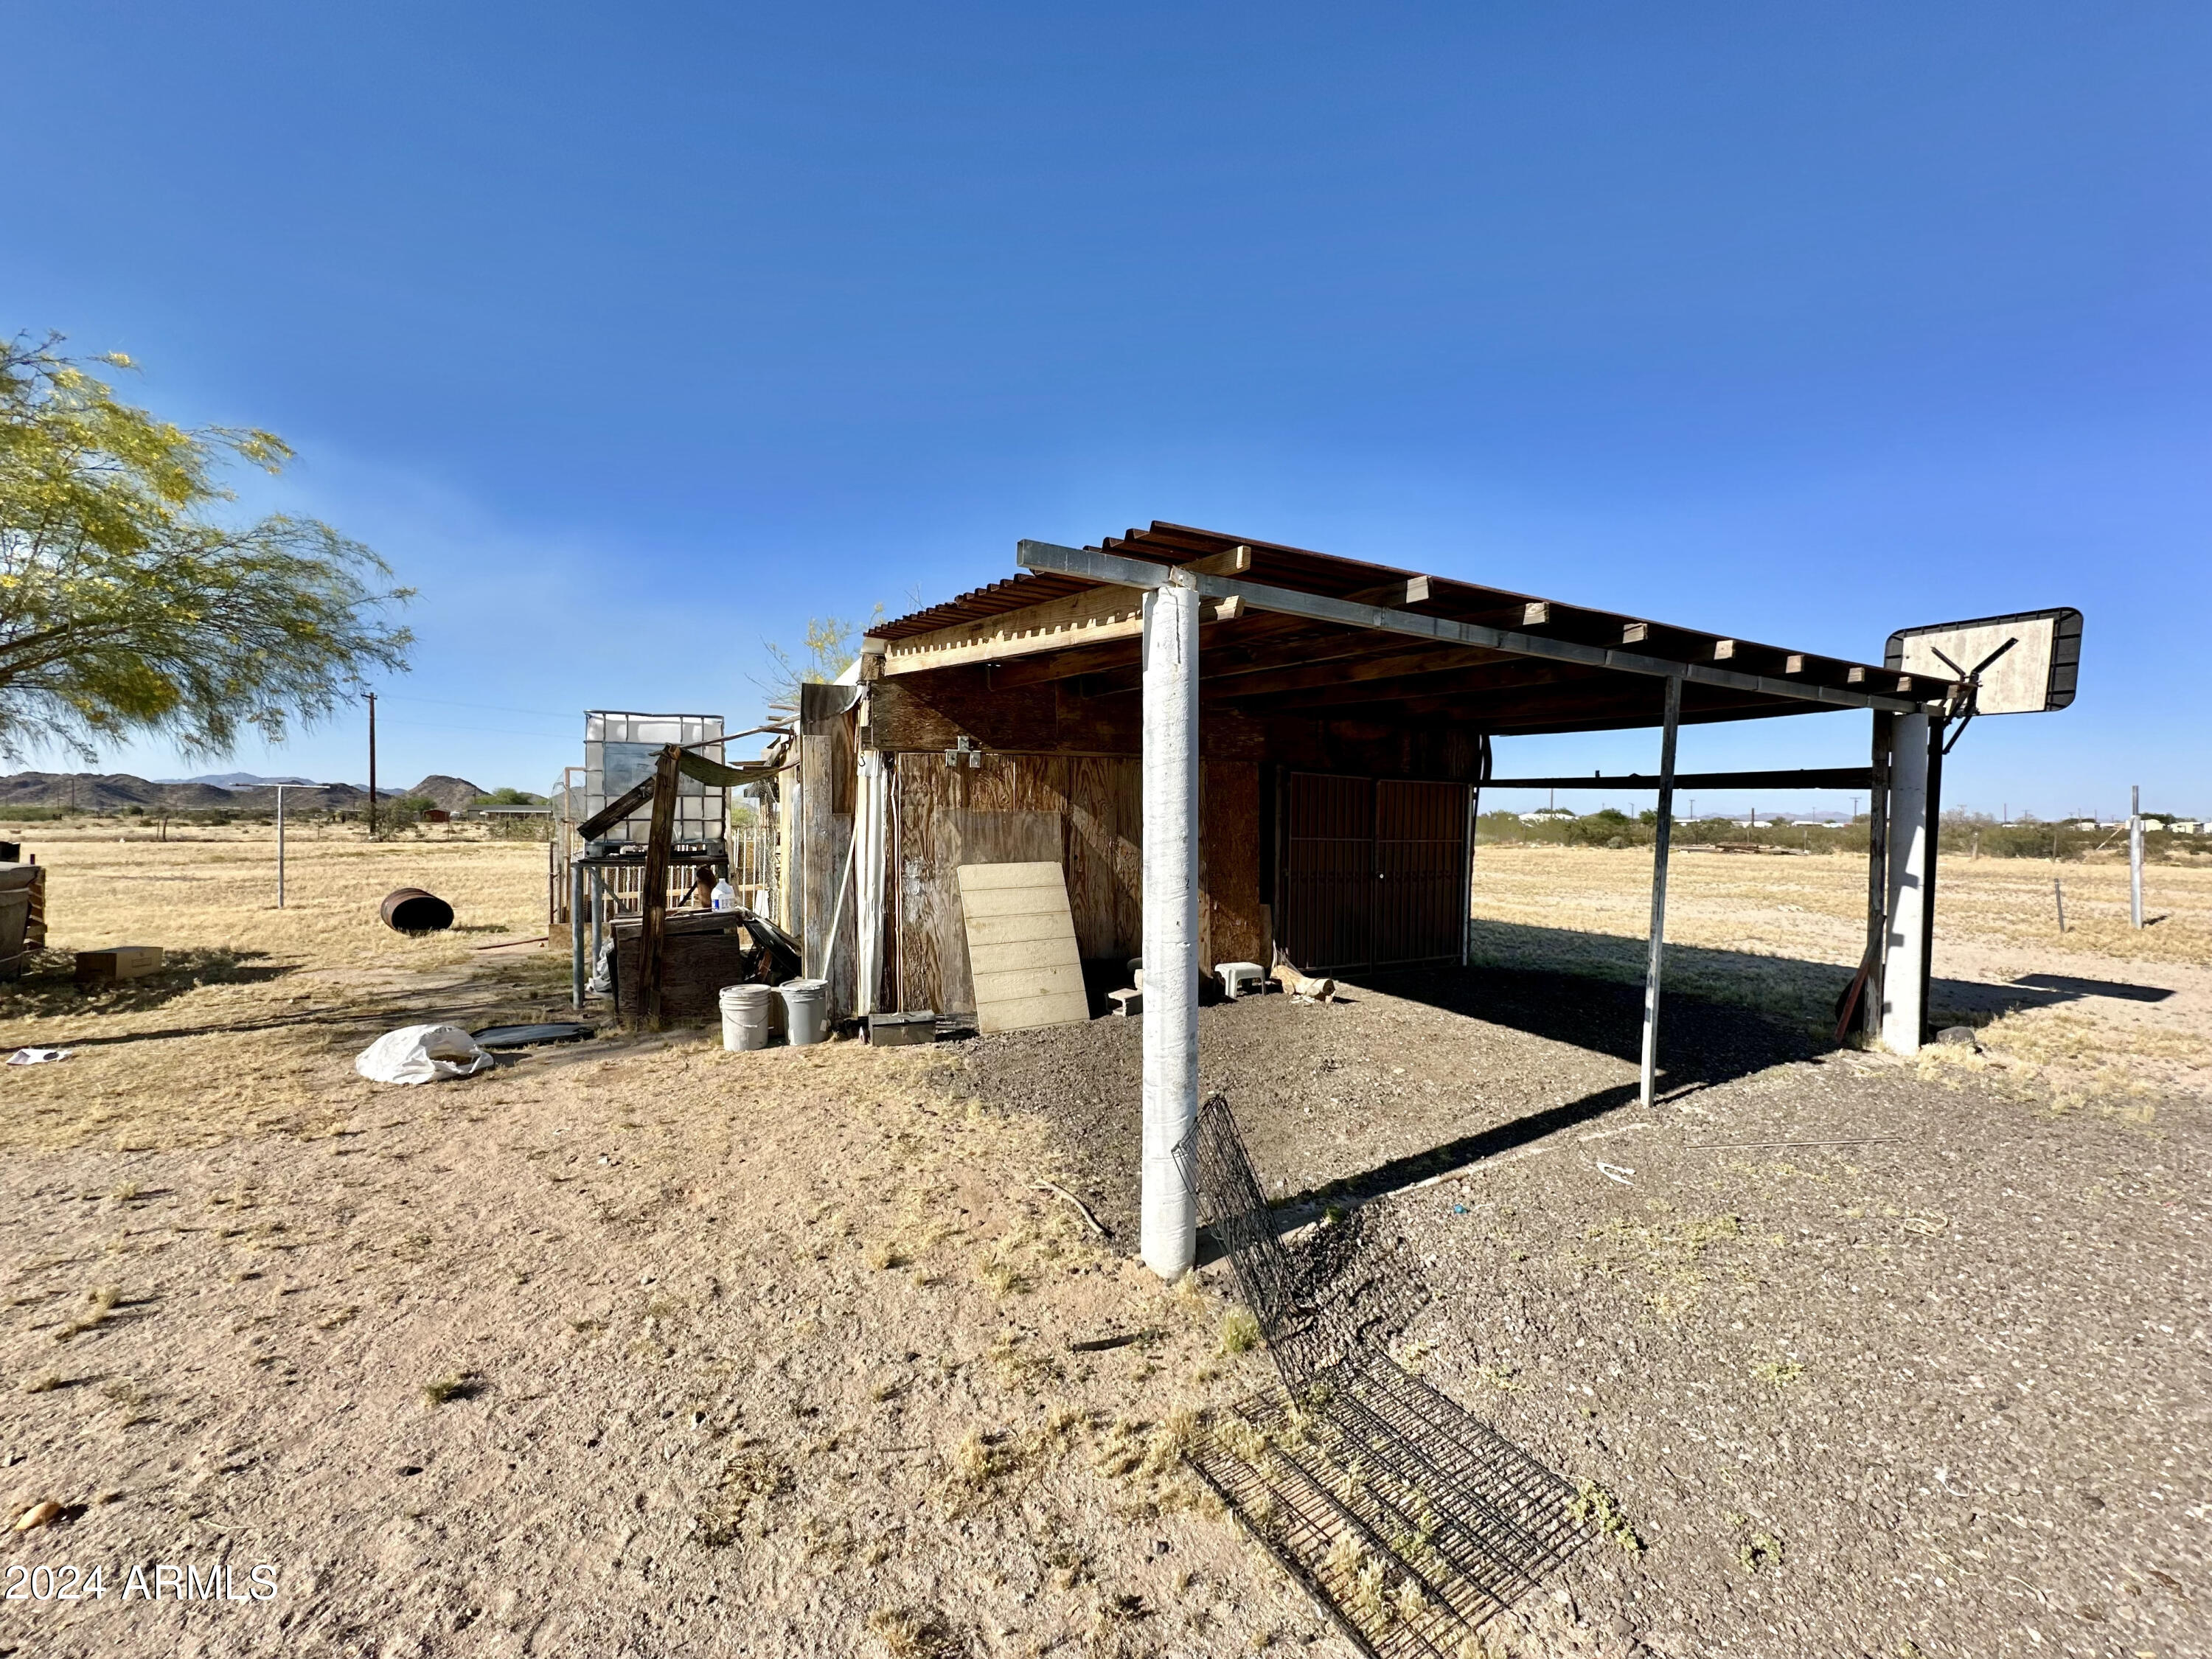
1307,734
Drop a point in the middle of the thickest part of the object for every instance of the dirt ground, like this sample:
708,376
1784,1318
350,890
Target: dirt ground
642,1346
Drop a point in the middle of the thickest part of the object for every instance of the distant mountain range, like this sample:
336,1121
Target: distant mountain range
115,792
237,779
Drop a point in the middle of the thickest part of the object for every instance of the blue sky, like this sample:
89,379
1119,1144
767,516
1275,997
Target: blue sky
633,337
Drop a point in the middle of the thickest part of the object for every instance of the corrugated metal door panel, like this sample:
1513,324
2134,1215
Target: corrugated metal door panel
1328,871
1420,857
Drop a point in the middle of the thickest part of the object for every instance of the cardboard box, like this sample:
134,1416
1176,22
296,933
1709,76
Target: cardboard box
117,962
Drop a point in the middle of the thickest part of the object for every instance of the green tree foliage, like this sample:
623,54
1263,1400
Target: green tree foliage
830,648
126,606
509,797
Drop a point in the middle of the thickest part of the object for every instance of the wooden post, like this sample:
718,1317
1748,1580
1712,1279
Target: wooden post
576,936
1663,840
654,898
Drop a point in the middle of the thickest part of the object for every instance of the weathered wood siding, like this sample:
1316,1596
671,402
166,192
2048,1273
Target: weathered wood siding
1084,812
827,781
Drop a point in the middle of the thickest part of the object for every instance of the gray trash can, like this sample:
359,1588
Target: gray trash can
806,1010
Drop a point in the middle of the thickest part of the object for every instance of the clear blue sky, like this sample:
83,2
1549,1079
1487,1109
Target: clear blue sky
632,336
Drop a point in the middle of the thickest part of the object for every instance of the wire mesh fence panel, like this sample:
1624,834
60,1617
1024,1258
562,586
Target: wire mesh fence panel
1408,1521
1505,1518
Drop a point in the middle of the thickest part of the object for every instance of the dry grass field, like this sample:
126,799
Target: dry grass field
1783,934
253,998
644,1347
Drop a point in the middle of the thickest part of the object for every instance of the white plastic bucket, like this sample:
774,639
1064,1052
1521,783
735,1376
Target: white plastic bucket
748,1015
806,1010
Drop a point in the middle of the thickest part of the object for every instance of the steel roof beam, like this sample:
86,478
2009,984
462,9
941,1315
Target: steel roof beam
1089,564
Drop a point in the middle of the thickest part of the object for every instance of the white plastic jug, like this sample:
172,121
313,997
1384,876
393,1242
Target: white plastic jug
724,896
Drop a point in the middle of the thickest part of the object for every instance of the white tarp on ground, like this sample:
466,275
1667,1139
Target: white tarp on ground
422,1054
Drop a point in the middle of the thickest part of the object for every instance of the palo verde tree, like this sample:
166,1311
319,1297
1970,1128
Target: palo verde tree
126,605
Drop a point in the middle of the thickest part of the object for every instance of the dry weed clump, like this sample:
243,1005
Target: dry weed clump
454,1385
1593,1503
915,1633
100,1301
751,1479
1673,1253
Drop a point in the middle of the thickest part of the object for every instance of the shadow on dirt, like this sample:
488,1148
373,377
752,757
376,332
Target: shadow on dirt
48,985
1785,987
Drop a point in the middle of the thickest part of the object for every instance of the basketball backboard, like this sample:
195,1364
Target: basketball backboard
2029,661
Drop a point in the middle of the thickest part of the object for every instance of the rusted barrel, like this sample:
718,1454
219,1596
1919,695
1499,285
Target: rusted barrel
411,910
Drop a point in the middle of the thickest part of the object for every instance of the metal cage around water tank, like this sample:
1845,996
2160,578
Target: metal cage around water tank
620,747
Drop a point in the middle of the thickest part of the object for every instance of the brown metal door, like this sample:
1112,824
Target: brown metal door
1420,866
1374,872
1328,871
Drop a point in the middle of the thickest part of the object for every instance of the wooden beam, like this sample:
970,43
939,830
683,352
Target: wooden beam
1235,562
1414,590
655,881
1256,648
1418,693
1389,663
1088,618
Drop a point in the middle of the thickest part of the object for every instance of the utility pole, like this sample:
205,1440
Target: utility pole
372,766
2134,855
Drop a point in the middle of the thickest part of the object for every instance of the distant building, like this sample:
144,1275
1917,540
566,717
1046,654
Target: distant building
1548,815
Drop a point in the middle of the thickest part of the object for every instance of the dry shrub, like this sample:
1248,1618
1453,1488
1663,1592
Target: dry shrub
915,1633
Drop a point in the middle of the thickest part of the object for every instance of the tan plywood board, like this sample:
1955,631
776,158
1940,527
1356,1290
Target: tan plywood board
1021,946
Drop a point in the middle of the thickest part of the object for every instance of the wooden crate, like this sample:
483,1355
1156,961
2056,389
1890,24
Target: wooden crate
701,953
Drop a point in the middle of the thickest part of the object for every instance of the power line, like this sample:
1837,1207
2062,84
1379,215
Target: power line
489,708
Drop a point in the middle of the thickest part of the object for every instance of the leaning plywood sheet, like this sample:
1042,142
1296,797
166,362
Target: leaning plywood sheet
1021,946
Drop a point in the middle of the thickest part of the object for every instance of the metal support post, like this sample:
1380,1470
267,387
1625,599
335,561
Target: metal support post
1911,856
2135,856
1870,1008
1662,839
1170,1208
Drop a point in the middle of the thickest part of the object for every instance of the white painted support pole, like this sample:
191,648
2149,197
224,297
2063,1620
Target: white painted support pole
1662,839
870,829
1911,851
280,857
1168,1235
2135,854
